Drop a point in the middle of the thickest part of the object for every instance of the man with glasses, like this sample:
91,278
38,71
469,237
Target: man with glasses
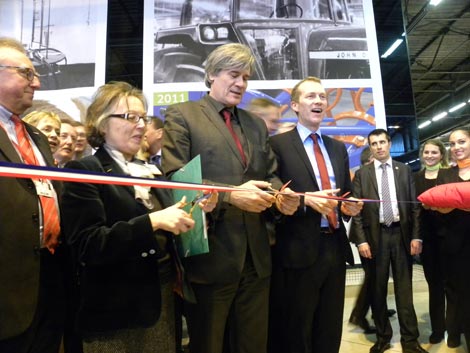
31,278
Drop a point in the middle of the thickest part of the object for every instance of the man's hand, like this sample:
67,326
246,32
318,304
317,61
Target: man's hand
208,205
350,208
287,202
442,209
364,251
252,198
320,204
416,247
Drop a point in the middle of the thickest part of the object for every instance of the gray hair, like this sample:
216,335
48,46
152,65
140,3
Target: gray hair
228,56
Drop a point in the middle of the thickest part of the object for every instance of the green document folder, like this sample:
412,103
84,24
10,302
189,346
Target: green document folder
193,242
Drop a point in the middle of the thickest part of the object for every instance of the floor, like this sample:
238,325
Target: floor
355,341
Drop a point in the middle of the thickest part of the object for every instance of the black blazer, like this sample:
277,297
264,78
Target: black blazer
196,128
298,236
19,240
367,223
115,250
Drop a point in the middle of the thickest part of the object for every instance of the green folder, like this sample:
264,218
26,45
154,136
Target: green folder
193,242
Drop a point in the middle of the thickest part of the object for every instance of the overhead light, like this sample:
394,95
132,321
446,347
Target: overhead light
394,127
457,107
435,2
426,123
439,116
392,48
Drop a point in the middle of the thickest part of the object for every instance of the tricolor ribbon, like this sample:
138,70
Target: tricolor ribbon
14,170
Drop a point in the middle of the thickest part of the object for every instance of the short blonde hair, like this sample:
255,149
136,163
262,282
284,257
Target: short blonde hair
295,93
104,101
35,117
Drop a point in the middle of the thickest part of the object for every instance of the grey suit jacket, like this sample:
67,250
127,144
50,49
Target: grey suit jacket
196,128
298,237
19,240
366,225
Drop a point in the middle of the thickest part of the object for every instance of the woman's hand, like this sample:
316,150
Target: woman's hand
173,219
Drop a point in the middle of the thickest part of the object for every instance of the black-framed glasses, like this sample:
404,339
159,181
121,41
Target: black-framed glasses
132,117
26,72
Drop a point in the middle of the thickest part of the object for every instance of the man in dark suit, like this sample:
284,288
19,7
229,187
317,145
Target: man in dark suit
311,251
31,279
387,233
231,282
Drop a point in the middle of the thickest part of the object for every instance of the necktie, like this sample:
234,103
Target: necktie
156,159
386,200
228,121
50,217
324,177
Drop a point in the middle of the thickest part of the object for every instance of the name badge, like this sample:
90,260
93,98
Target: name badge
44,188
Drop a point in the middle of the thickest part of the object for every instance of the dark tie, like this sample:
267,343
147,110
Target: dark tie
156,159
386,199
50,217
228,121
324,177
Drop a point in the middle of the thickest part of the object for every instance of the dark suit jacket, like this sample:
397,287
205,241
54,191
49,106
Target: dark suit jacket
366,224
298,236
196,128
115,248
19,240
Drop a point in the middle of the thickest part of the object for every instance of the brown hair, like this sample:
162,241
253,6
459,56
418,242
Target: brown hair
104,101
295,93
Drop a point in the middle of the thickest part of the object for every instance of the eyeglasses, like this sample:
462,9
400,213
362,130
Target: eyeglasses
26,72
132,117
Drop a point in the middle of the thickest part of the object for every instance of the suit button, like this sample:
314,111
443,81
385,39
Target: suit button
152,251
144,254
35,217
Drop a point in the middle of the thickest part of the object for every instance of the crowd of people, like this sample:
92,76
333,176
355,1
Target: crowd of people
94,268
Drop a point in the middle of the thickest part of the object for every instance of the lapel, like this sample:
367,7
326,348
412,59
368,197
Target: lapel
7,148
297,142
111,167
397,176
215,118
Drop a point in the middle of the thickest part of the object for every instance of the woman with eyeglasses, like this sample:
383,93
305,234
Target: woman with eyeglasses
122,236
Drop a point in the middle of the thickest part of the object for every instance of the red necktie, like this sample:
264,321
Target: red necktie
50,214
324,177
228,121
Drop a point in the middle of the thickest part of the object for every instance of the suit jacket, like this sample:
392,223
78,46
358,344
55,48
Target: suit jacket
298,236
19,240
367,223
196,128
115,248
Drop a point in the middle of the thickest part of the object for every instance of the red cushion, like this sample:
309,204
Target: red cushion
453,195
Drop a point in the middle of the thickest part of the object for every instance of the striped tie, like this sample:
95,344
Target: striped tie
50,214
386,199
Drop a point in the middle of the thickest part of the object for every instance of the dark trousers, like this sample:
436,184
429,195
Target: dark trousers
392,251
364,298
435,270
45,333
238,309
310,303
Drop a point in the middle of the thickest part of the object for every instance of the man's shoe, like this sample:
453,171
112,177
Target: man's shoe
453,341
364,324
380,347
414,348
436,337
391,312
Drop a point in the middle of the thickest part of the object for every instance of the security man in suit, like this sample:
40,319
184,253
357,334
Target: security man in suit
387,234
312,247
231,282
31,278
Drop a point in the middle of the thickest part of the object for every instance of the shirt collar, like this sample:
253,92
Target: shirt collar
305,132
5,114
377,163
